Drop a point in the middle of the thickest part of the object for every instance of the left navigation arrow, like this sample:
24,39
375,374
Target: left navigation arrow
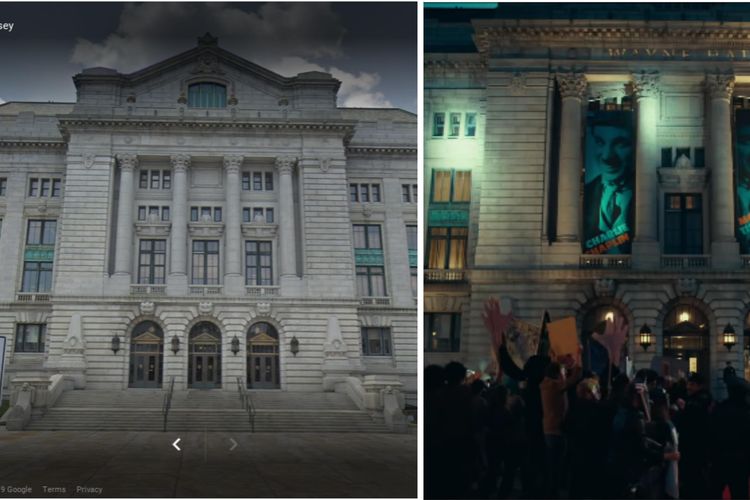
175,444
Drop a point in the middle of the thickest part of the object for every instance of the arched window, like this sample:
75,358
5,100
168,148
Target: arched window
594,355
686,337
207,95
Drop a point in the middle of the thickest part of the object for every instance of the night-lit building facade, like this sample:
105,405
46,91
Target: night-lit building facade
588,161
207,221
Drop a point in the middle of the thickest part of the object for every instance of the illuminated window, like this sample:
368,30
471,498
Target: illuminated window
438,125
207,95
686,338
442,332
683,224
447,247
451,186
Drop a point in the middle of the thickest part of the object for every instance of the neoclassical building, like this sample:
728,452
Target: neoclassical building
589,162
205,219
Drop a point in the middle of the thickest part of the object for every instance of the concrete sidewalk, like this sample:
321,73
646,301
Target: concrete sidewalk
144,464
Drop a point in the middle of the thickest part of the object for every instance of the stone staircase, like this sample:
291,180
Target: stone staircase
205,410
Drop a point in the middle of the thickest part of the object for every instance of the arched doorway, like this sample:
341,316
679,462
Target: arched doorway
204,356
594,355
146,355
686,337
263,357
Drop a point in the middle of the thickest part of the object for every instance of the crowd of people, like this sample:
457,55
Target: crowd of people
554,430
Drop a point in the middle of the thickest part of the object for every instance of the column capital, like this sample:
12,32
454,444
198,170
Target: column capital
572,84
232,163
285,164
127,161
180,161
720,86
646,84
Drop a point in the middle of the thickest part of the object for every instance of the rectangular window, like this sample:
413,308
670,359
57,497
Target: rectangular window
471,125
245,214
700,158
257,214
414,193
46,184
438,125
455,129
41,232
666,158
205,262
447,247
442,332
34,187
217,214
166,179
371,281
367,236
143,179
462,186
405,193
411,237
155,177
194,214
246,181
141,213
257,181
37,277
269,181
411,243
258,263
364,193
153,213
165,213
375,191
3,185
152,262
56,187
683,224
376,341
269,216
30,337
353,193
451,186
206,214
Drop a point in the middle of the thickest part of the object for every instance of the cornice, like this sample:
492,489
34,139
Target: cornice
382,150
33,144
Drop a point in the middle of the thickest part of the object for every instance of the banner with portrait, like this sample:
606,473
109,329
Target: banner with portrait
742,172
609,183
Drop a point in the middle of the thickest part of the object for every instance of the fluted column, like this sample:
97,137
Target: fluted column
178,266
287,232
720,88
124,238
233,243
572,88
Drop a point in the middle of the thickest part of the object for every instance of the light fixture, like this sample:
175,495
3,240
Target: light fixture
730,338
684,317
645,338
235,345
115,344
175,344
294,345
609,316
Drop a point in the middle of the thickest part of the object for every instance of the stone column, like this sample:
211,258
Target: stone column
573,88
124,238
177,280
233,284
724,246
646,241
287,232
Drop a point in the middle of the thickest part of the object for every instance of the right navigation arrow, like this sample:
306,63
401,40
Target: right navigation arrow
234,444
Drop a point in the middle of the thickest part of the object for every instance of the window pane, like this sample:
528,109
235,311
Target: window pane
34,235
471,124
364,190
217,214
269,181
269,215
143,180
257,181
411,237
405,194
375,193
353,193
165,213
455,124
193,214
245,214
48,232
257,214
46,187
34,187
441,186
30,277
438,124
359,236
462,187
373,237
206,213
154,179
166,179
246,181
141,213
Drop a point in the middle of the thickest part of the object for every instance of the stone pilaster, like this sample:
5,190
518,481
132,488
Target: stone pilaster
287,232
233,284
724,246
124,237
177,279
572,87
646,242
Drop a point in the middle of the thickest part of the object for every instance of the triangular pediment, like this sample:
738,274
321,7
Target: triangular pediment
262,338
147,338
204,338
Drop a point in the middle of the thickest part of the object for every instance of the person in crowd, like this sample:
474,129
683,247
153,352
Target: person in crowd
434,382
661,479
513,443
480,422
691,424
729,442
554,407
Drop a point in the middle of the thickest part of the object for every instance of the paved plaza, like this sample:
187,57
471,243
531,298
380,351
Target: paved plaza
145,464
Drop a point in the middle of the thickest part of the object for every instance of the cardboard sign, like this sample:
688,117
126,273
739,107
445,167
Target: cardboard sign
563,336
522,341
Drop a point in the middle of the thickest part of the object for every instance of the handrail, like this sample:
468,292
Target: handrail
247,402
167,403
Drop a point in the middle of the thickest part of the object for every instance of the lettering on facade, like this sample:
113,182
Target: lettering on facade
677,53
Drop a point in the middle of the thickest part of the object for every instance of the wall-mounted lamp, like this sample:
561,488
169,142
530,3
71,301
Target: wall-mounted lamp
235,345
730,338
115,344
294,345
175,344
645,338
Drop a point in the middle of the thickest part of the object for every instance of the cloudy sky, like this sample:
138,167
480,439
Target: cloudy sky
370,47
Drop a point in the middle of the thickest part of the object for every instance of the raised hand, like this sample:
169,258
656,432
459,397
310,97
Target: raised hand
614,337
495,322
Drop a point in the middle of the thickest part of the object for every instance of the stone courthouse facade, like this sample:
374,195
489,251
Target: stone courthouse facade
589,161
203,220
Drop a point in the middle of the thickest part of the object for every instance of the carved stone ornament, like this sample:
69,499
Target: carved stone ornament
605,287
127,161
205,307
264,308
646,84
74,343
131,98
687,286
182,99
367,211
180,161
232,163
147,307
683,162
572,84
325,164
517,83
232,101
208,63
88,159
720,86
285,164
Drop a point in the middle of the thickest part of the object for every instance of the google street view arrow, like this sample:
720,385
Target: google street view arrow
175,444
234,444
